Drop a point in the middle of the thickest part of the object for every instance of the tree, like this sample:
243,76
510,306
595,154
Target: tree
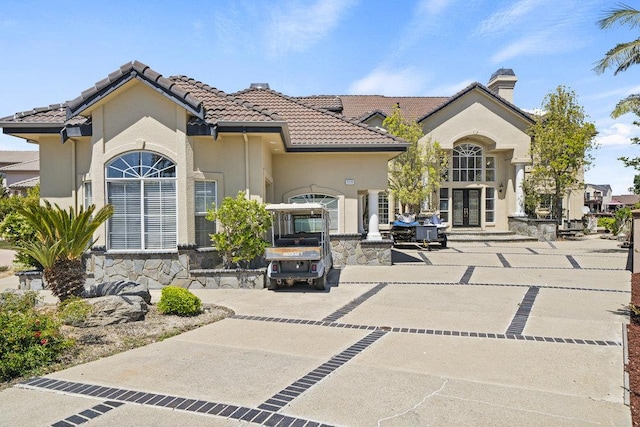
621,57
416,174
636,185
244,223
560,148
61,238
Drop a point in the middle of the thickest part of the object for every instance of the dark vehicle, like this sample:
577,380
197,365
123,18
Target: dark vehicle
423,231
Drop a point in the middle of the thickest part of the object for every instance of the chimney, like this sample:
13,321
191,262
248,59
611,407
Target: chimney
502,83
259,86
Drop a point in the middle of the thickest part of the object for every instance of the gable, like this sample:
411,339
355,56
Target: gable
137,111
482,118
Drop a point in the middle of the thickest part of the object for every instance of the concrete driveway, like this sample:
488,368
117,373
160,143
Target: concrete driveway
475,334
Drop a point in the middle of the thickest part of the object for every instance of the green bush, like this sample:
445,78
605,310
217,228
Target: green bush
74,311
607,223
15,229
179,301
29,340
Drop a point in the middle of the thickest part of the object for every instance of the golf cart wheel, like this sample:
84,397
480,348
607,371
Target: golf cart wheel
443,244
273,284
319,283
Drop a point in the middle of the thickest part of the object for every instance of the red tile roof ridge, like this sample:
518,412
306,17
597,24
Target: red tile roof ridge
229,97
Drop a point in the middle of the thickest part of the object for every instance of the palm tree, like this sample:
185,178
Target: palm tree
623,55
62,237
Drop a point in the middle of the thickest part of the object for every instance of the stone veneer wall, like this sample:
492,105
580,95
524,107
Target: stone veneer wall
192,267
543,229
353,249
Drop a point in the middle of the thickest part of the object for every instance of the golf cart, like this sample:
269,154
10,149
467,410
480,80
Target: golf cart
422,231
300,249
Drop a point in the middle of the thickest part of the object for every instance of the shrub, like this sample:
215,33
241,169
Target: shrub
30,340
179,301
243,226
15,229
74,311
607,223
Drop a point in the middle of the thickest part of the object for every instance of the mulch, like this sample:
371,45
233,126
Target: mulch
633,344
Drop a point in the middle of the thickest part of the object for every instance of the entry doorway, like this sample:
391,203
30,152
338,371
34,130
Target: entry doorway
466,208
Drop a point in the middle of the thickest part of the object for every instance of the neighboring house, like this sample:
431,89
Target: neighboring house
162,150
485,136
597,197
19,171
623,201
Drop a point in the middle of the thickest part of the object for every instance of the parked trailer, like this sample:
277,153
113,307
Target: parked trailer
300,248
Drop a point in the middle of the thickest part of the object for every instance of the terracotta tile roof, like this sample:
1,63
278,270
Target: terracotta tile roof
325,102
313,127
413,107
17,156
220,106
29,165
627,199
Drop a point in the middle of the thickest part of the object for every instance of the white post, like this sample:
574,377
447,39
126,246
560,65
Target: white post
374,223
519,209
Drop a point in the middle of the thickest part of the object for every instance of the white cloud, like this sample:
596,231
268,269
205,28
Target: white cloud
618,93
617,134
501,20
296,27
543,42
451,89
404,82
433,7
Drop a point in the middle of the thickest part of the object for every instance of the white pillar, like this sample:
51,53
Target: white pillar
374,222
360,213
519,208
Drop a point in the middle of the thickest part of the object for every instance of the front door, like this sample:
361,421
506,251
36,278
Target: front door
466,208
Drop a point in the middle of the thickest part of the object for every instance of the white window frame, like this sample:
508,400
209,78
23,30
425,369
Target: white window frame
325,200
157,209
87,194
206,204
465,154
490,204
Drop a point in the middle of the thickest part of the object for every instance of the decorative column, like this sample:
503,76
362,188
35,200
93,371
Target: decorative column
374,222
360,213
519,208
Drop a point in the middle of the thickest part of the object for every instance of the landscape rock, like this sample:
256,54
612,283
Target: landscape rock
120,288
114,309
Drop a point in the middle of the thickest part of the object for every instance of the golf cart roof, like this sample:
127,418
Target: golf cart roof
300,208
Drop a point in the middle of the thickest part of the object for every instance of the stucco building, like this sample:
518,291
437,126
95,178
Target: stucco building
163,149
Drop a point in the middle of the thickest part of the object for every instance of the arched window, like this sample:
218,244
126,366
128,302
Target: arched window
467,163
141,186
329,202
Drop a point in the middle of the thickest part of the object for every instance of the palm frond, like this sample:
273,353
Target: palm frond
630,104
622,15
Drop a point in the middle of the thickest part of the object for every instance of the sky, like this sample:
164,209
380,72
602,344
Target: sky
53,50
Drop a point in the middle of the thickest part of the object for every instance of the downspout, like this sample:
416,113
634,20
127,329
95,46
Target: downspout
74,178
246,164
